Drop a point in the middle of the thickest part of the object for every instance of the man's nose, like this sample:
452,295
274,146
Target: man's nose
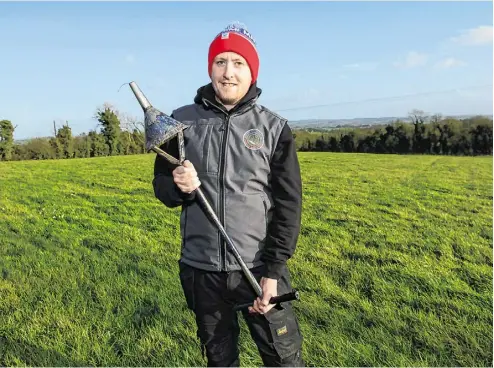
228,70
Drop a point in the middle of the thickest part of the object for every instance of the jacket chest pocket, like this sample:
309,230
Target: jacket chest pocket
201,145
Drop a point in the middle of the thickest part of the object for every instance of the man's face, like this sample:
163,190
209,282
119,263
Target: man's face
231,77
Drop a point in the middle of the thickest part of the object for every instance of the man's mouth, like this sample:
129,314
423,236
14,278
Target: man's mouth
229,84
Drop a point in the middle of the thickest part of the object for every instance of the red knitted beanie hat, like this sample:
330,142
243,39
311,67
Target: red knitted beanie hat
235,38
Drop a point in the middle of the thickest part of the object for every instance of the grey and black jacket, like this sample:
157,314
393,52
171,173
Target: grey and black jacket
247,163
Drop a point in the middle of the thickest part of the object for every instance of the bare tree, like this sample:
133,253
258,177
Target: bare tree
129,122
418,116
436,118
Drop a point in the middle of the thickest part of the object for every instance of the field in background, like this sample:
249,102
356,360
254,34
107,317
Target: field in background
394,264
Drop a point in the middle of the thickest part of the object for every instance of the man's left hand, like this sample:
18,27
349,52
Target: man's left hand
269,289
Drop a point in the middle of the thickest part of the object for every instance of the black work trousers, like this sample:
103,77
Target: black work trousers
212,295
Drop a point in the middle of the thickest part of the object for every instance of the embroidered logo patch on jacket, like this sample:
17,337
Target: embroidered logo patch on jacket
253,139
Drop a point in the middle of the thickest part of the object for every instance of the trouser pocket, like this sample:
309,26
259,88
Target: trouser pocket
277,336
285,331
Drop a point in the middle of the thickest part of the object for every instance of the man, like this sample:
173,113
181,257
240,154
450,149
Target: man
244,158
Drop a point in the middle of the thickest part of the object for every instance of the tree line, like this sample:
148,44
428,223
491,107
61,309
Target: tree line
119,135
435,135
123,135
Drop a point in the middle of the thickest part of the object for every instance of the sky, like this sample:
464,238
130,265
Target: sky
61,61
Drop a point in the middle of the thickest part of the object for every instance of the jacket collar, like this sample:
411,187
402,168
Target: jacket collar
207,97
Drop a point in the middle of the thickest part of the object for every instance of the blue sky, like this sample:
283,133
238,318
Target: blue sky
61,61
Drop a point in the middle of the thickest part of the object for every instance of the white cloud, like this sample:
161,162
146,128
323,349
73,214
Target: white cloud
475,36
414,59
449,63
361,66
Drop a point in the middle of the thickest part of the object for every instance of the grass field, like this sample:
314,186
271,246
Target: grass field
394,264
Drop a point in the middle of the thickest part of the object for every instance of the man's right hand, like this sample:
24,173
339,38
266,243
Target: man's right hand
186,177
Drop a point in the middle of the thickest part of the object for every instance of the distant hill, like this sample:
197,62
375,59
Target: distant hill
22,141
359,122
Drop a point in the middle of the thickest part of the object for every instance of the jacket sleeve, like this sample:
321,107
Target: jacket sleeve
287,196
165,188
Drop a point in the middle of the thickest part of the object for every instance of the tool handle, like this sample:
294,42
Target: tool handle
293,295
250,277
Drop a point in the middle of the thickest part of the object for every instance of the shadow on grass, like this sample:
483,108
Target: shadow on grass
12,350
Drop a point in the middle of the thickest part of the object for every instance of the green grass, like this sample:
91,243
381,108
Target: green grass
394,264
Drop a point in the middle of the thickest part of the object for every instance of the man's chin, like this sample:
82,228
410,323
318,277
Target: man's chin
228,101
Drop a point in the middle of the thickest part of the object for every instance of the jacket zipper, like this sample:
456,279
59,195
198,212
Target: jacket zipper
222,242
222,193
